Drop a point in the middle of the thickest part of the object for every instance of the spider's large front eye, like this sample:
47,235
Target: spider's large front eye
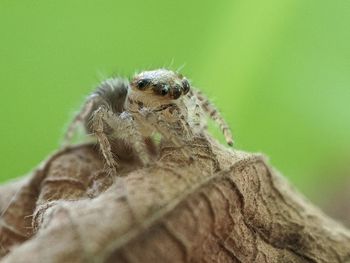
143,83
176,92
185,86
161,89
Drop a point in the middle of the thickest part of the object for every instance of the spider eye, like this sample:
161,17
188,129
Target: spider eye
176,92
143,83
185,86
164,91
161,89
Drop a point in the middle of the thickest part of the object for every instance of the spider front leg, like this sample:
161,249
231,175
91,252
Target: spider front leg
215,115
126,128
121,126
100,116
155,120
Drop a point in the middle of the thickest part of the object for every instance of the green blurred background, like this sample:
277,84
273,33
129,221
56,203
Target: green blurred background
278,70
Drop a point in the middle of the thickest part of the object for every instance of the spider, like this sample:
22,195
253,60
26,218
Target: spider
128,114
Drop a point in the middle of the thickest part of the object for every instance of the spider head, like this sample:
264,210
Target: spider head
161,82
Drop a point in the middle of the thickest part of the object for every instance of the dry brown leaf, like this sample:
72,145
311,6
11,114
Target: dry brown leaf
226,206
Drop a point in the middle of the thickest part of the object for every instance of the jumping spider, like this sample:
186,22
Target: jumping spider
159,101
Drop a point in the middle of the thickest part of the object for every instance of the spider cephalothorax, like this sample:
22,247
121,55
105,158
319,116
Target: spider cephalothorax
159,101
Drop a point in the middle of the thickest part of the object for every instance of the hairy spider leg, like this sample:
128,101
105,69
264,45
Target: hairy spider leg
111,92
215,115
158,122
125,128
78,119
184,129
98,118
196,115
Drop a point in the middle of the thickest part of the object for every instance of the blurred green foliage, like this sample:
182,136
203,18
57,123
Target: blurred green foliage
278,70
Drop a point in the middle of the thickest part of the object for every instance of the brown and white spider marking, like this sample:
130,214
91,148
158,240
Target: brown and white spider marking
159,101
